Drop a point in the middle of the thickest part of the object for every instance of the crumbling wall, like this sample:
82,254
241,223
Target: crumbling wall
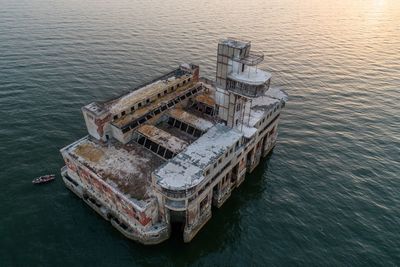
113,199
97,126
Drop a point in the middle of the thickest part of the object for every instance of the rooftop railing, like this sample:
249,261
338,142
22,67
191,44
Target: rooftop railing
247,90
253,59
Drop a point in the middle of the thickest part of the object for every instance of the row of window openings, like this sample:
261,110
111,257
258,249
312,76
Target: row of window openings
156,148
155,112
269,114
266,127
220,159
230,84
221,171
209,182
104,188
204,109
139,105
215,176
226,177
184,127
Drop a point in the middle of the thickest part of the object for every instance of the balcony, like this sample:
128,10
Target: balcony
247,89
253,59
250,75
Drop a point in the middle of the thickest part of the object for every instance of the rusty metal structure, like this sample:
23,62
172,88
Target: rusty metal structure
172,148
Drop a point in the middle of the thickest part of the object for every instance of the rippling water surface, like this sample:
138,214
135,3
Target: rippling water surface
329,194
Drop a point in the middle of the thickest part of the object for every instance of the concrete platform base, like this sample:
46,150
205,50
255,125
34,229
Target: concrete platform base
154,235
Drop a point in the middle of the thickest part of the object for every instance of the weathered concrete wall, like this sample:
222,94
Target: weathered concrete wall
141,217
120,136
97,126
197,216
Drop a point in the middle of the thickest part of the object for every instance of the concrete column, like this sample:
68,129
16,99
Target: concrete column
202,217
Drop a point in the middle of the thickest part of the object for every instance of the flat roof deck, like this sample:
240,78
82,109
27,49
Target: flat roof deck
163,138
186,169
176,132
191,119
234,42
247,131
127,167
259,107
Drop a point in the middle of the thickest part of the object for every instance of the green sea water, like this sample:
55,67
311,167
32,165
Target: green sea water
328,195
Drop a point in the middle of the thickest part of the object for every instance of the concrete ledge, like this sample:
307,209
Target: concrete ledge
145,238
72,185
98,207
154,235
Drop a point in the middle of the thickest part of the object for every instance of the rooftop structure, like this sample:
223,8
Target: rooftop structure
187,168
191,119
169,141
166,151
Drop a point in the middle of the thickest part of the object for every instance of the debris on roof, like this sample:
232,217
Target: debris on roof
126,167
206,99
163,138
186,169
191,119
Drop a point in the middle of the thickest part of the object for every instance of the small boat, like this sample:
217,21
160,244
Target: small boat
44,179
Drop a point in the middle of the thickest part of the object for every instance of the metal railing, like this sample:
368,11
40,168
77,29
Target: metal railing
254,58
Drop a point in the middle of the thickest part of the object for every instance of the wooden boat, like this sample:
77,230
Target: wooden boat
44,179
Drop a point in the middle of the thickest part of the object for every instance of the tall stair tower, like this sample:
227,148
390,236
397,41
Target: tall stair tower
238,80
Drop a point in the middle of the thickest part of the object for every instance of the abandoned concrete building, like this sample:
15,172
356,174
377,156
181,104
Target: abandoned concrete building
172,148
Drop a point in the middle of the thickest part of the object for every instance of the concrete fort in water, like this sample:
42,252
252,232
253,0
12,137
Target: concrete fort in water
172,148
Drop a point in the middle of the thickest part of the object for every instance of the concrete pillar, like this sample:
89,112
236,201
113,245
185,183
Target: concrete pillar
202,216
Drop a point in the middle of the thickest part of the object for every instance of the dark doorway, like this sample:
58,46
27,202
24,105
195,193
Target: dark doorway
178,221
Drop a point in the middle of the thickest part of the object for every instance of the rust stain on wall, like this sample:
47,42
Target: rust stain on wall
100,124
